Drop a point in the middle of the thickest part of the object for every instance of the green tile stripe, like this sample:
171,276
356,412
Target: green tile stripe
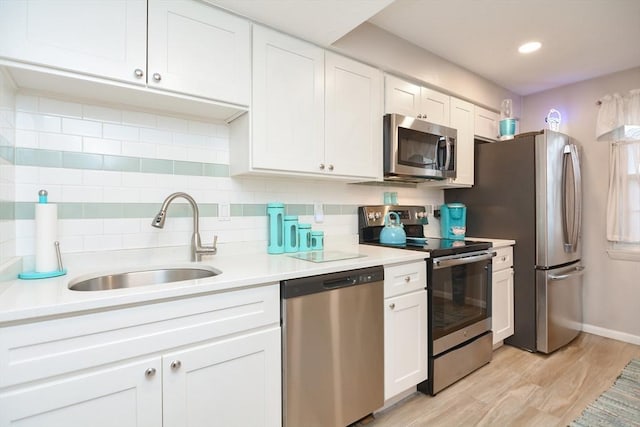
105,162
91,210
7,210
7,153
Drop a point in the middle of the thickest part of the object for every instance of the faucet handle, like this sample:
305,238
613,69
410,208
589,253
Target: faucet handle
215,240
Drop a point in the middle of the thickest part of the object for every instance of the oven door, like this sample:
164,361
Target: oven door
460,288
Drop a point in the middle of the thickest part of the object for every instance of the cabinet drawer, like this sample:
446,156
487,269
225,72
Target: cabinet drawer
503,258
39,350
403,278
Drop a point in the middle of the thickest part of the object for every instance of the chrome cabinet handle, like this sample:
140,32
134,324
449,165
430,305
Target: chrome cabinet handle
138,73
392,306
504,258
157,77
175,365
321,166
407,279
330,167
150,372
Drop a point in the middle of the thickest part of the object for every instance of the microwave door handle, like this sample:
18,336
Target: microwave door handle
448,152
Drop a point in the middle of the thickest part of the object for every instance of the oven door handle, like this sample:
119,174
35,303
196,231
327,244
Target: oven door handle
437,264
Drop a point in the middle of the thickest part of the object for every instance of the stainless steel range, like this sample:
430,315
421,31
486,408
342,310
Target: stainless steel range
459,292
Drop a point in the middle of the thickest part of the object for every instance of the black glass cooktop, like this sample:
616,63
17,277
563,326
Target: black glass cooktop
437,246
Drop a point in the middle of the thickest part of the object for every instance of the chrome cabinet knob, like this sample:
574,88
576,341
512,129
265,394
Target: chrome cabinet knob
407,279
157,77
392,306
175,365
138,73
330,167
321,166
150,372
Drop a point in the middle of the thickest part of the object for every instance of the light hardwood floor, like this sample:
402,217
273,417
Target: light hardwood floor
519,388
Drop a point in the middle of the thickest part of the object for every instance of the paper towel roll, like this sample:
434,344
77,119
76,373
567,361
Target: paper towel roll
46,235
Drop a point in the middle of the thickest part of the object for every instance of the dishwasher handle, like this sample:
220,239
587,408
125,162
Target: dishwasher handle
340,283
298,287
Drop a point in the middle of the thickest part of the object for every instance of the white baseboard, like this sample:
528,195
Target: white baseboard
610,333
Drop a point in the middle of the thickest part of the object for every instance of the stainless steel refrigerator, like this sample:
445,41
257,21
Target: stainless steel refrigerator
529,189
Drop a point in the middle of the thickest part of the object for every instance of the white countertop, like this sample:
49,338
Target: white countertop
26,300
495,243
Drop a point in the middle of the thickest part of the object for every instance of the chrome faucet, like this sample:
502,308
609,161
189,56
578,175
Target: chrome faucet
197,250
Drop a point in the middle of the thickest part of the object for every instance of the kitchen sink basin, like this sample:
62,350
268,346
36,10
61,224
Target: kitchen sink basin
130,279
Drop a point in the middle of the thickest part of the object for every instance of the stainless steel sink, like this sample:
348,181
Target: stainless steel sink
132,279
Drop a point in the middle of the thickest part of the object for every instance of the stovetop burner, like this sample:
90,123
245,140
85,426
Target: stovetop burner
438,247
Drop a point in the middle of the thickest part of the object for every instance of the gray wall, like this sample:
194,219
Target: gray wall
396,55
612,290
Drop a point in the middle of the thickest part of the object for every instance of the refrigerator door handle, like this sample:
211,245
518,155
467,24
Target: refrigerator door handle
571,214
578,271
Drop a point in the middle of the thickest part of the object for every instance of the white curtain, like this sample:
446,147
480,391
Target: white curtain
623,205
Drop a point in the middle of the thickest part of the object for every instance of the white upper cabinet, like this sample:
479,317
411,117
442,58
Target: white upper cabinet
116,50
313,113
435,106
97,37
288,103
486,124
199,50
403,97
462,120
353,118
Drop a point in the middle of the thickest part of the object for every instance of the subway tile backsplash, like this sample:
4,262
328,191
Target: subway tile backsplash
109,169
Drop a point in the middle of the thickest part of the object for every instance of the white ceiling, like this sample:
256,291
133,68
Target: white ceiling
581,39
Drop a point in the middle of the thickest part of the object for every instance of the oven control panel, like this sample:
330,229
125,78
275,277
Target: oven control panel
371,216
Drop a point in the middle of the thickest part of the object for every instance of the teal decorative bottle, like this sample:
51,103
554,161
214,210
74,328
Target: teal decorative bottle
275,216
290,233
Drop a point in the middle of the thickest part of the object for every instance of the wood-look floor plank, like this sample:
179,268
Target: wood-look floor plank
519,388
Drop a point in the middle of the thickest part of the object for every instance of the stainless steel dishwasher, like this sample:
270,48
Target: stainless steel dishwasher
333,348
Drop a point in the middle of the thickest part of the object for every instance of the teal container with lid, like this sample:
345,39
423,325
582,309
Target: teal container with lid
290,233
304,237
275,218
317,240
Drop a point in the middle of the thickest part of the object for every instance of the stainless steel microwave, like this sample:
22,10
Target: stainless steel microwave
416,150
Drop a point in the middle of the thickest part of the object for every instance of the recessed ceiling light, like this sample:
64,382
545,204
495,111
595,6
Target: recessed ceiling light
529,47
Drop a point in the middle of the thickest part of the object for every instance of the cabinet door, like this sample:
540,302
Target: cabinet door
486,124
197,49
405,342
502,305
401,97
462,119
97,37
127,395
434,106
353,114
288,103
235,382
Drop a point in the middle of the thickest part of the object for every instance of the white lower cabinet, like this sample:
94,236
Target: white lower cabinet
502,295
201,361
405,355
405,327
225,383
121,395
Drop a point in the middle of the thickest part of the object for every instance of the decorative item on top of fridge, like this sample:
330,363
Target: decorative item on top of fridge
553,120
507,121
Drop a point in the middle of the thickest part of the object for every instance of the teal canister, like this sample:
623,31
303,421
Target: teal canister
304,237
290,233
317,240
275,217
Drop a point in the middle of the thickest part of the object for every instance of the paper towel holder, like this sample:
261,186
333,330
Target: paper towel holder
61,271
